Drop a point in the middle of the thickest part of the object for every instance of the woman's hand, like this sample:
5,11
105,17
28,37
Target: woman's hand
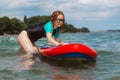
62,43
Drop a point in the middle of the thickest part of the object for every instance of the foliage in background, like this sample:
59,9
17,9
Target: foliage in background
14,25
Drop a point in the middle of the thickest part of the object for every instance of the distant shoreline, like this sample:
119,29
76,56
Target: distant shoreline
6,34
113,30
109,31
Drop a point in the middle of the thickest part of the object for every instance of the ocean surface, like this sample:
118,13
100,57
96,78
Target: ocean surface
106,67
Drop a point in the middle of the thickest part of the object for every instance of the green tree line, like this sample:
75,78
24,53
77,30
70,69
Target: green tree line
15,26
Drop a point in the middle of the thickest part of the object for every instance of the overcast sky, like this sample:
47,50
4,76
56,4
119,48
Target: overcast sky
93,14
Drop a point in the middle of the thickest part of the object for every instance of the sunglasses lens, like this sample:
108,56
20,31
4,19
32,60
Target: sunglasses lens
60,20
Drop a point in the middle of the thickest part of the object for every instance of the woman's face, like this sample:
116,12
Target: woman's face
59,21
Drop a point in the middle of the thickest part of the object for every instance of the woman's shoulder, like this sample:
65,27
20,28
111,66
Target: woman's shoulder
48,24
48,27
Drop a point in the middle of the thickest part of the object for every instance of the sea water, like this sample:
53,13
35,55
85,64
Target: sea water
106,67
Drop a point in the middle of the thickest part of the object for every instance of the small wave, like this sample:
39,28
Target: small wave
8,42
105,52
7,74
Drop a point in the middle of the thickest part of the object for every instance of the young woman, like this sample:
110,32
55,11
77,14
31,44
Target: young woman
52,28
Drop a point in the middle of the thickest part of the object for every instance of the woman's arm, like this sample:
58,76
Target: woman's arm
51,40
55,41
58,40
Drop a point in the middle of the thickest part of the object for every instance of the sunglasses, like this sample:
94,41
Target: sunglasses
60,20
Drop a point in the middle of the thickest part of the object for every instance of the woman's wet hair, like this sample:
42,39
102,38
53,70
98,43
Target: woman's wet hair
55,15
